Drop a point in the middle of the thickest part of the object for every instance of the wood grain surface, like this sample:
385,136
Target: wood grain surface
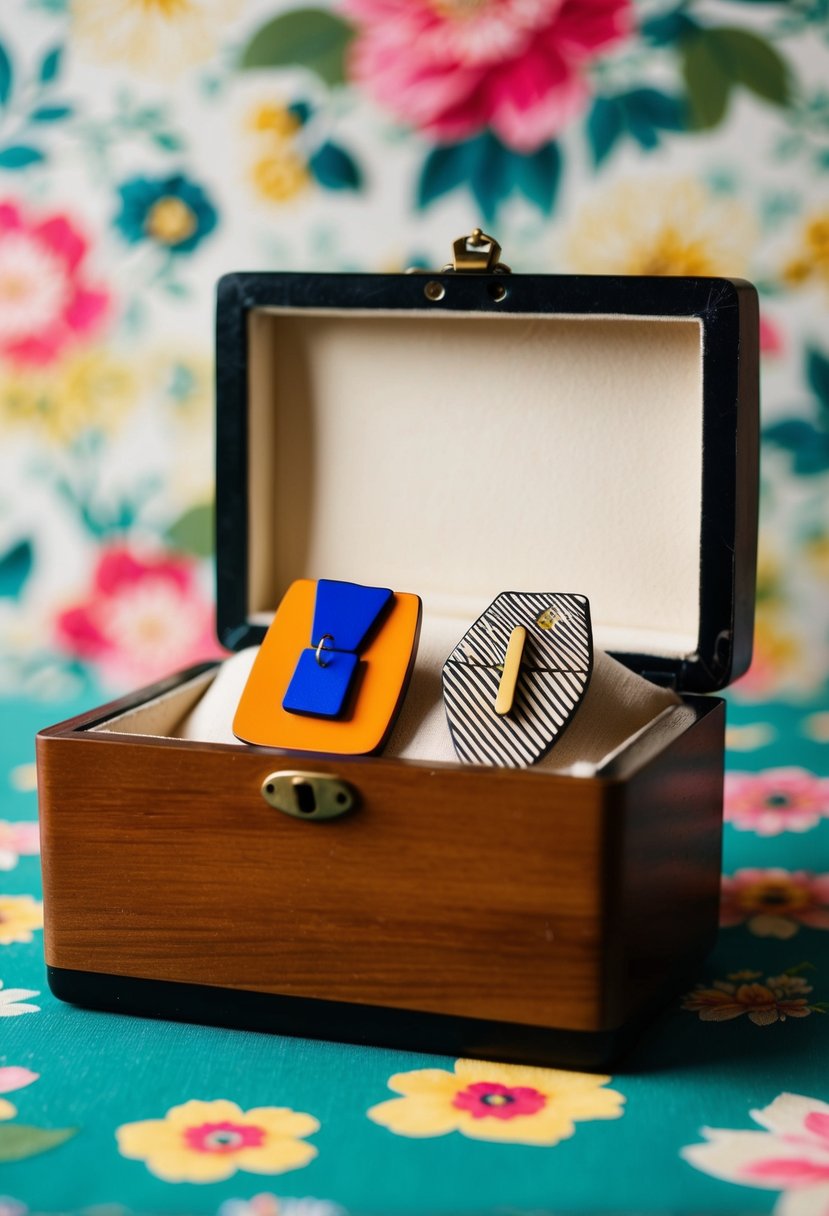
517,896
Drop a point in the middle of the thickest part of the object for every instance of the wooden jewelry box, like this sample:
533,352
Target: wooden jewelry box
453,435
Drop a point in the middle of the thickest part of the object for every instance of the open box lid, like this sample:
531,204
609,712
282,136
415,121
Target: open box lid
462,434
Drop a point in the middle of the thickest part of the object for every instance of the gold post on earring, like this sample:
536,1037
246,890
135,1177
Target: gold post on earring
512,666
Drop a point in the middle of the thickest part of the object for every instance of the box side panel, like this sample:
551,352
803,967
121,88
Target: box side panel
664,884
461,892
748,482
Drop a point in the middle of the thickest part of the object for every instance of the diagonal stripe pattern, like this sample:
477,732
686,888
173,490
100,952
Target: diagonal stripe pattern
554,675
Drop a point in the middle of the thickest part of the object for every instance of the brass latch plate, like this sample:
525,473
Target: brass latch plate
308,795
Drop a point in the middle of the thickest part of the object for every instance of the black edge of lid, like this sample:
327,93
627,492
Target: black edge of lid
728,312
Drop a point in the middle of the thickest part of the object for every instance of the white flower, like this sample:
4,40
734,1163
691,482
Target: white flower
33,287
159,38
791,1155
10,999
270,1205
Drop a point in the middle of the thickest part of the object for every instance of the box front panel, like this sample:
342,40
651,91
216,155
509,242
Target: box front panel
477,894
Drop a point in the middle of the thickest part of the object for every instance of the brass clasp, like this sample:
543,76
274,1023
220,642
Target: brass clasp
477,253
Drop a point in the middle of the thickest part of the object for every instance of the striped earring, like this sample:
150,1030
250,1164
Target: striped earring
516,678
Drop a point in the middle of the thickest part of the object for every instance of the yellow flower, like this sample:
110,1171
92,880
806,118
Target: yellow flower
816,550
19,915
816,727
170,221
661,227
159,38
507,1102
24,397
7,1109
210,1141
23,777
91,389
94,389
280,176
813,261
267,118
749,738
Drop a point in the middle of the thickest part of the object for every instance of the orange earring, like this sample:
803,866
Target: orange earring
332,670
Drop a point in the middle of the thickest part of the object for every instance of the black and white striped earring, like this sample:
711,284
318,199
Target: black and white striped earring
516,678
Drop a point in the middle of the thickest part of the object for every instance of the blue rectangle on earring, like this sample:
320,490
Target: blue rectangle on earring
317,690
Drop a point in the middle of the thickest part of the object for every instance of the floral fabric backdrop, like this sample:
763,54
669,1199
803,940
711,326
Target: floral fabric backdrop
147,146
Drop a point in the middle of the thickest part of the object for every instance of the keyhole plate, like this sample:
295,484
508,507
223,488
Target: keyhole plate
308,795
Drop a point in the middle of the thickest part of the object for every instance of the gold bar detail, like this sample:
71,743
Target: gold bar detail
512,666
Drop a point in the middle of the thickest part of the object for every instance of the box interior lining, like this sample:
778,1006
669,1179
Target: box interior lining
459,455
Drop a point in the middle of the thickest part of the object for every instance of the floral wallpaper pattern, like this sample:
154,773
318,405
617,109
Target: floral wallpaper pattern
146,147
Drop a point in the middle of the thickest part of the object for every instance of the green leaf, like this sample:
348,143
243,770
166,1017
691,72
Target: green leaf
808,446
706,79
20,156
6,75
335,168
817,373
605,124
491,179
193,531
491,172
167,141
755,63
50,65
51,113
443,170
665,28
19,1141
307,37
655,109
15,568
301,110
537,176
716,59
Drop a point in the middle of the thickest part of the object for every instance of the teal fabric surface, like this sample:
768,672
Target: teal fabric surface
97,1073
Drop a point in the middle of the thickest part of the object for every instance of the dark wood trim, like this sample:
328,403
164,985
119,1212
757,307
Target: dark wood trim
365,1025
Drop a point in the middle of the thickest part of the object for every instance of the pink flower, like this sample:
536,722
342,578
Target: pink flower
771,337
791,1155
144,617
452,68
12,1078
486,1099
45,300
777,800
224,1137
17,840
774,903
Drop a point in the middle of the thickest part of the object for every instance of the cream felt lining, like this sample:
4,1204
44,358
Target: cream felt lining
459,455
618,706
